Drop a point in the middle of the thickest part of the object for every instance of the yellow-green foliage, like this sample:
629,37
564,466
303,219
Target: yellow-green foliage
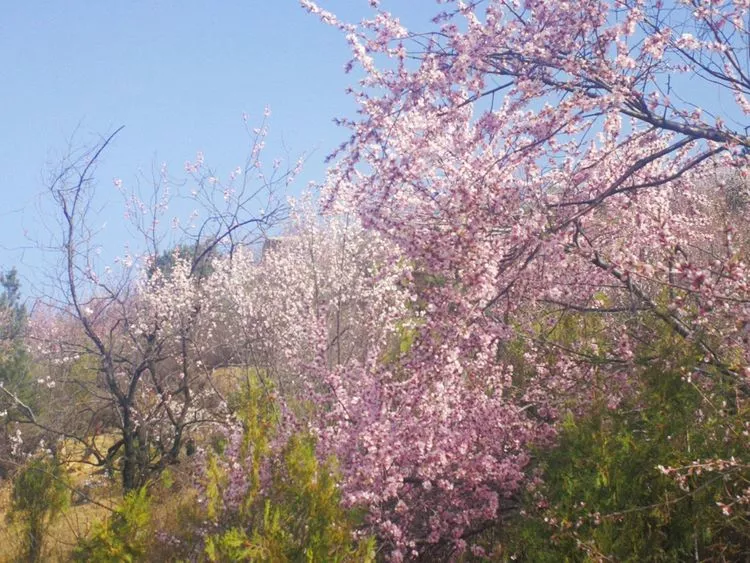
39,493
124,537
603,497
298,515
401,342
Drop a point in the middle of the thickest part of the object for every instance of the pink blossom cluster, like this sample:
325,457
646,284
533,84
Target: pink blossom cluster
536,160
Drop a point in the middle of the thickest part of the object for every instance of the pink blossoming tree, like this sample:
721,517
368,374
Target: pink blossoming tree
538,159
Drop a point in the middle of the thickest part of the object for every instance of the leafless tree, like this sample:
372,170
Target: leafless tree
128,384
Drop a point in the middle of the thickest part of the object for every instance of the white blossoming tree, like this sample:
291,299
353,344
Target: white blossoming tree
127,348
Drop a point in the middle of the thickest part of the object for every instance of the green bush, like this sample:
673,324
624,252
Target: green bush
39,493
297,514
124,537
603,497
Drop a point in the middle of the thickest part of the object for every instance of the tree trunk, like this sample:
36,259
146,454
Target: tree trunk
130,469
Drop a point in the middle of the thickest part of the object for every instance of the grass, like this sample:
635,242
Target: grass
76,521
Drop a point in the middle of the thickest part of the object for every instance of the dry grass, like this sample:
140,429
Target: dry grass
76,521
174,509
64,531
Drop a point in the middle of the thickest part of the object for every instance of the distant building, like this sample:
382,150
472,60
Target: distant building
270,244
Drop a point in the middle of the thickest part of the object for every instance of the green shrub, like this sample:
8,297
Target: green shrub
297,514
39,493
124,537
603,497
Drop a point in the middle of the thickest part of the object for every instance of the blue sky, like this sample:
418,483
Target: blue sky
178,75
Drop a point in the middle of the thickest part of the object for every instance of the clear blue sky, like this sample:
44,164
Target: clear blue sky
178,75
